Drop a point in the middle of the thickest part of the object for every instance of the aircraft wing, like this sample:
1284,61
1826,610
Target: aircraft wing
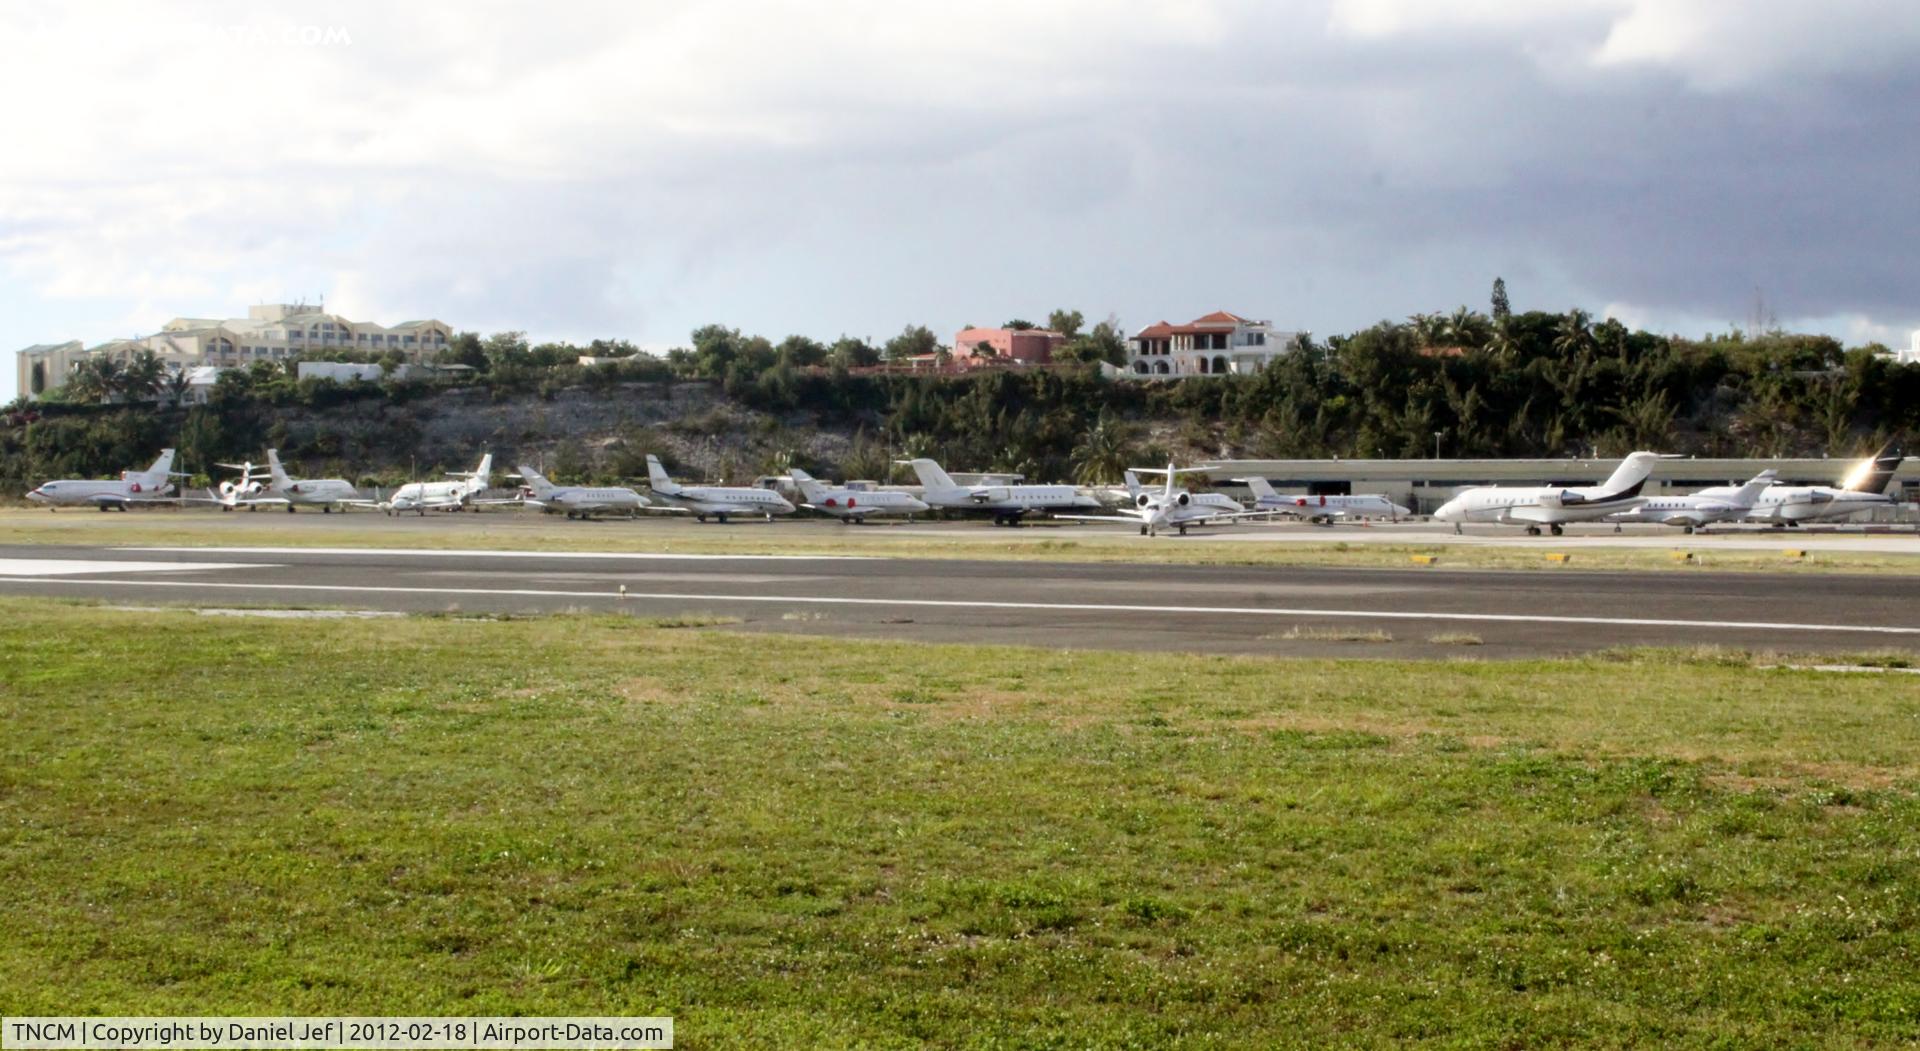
1099,518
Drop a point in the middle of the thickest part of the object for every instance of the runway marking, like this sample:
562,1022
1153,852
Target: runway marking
58,567
452,552
1060,607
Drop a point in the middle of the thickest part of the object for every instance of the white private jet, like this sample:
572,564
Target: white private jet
716,501
577,501
324,493
1552,506
1696,511
1173,506
1007,503
141,488
237,492
853,505
421,497
1863,489
1323,508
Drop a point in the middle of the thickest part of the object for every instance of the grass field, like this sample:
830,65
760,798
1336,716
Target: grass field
1051,541
795,842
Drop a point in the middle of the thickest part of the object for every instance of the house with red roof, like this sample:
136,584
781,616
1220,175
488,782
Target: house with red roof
1217,344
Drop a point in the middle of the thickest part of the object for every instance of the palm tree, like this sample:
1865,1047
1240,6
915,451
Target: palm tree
1573,337
1500,342
1466,328
1102,455
142,377
176,386
1428,329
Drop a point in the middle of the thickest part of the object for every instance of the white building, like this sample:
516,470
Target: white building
1216,344
1911,355
272,332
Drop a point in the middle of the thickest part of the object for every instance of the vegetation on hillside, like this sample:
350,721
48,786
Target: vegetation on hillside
1464,382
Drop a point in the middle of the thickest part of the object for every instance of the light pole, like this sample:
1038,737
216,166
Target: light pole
1436,443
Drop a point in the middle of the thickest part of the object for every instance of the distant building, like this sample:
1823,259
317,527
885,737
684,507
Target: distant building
272,332
1911,355
1010,346
342,371
1212,345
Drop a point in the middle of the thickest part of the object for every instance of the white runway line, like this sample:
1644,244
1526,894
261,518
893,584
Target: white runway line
451,552
61,567
1058,607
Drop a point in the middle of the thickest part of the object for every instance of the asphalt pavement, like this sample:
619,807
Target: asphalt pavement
1222,609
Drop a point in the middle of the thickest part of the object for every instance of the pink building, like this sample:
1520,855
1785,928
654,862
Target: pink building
1024,346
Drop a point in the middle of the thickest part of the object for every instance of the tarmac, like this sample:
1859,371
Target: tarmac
1319,611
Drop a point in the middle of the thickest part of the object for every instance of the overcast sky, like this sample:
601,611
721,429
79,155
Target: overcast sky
637,169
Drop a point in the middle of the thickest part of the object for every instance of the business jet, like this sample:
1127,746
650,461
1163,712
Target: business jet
1696,511
1323,508
237,492
133,488
421,497
719,502
1008,504
324,493
577,501
853,506
1552,506
1862,489
1171,507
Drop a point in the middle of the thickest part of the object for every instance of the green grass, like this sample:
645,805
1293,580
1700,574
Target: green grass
1049,542
785,841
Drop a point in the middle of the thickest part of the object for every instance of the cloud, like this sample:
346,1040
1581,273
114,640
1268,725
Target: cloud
635,170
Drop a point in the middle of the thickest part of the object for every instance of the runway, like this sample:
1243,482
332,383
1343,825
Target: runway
1214,609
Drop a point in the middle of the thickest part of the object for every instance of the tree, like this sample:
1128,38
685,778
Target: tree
1573,336
913,341
506,350
1066,322
1502,310
1018,325
801,352
176,387
983,349
1103,453
848,352
142,376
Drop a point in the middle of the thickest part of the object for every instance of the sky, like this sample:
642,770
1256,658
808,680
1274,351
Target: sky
635,170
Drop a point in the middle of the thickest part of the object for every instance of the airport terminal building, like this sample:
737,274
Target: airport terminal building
270,332
1424,485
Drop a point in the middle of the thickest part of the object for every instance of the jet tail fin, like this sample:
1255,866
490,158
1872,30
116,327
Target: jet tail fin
1133,483
1750,492
536,482
657,476
156,476
279,474
810,488
1628,478
931,476
1873,474
1261,489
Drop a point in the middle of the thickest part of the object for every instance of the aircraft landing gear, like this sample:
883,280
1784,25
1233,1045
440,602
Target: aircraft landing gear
1457,531
327,510
1183,530
1556,529
1687,530
1533,530
289,508
1143,530
700,518
721,518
